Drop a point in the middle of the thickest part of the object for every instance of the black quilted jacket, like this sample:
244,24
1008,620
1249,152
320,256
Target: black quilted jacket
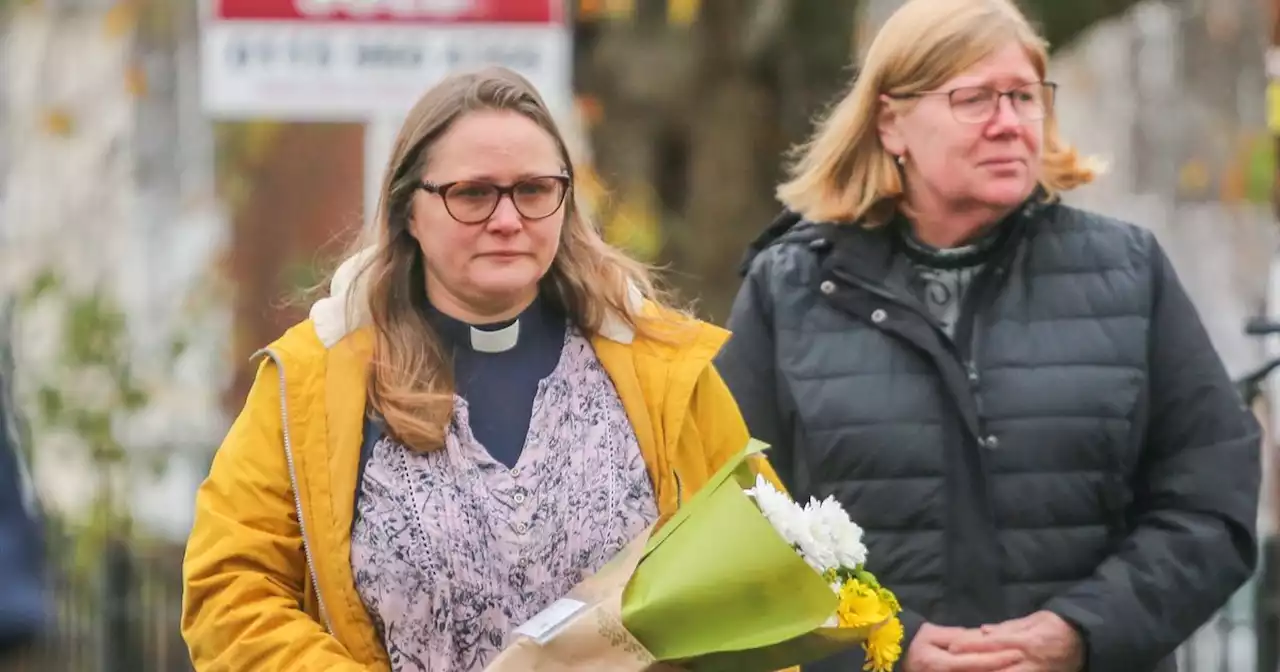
1077,447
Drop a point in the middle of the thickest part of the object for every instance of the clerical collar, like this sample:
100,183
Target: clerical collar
492,337
500,339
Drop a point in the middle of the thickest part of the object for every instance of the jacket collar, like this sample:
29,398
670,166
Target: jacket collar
872,253
789,224
346,309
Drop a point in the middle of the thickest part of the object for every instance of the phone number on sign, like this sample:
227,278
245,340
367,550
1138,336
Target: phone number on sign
320,54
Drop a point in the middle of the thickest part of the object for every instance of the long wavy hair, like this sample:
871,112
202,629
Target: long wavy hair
411,384
844,174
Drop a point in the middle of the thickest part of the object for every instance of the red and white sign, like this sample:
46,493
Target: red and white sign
431,11
335,60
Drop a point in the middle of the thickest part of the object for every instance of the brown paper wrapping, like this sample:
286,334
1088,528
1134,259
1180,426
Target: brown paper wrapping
594,639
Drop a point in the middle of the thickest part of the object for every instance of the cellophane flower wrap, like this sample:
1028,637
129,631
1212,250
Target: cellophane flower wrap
740,579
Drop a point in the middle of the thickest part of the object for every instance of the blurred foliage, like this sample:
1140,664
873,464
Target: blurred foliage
678,12
1247,176
1062,22
58,121
303,278
160,21
135,81
121,18
596,10
629,218
1260,162
87,390
634,223
240,148
93,337
11,5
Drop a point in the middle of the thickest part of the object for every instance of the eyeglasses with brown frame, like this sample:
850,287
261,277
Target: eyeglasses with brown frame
475,201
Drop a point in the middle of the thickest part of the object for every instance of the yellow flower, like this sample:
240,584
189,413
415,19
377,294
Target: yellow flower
890,600
861,605
884,647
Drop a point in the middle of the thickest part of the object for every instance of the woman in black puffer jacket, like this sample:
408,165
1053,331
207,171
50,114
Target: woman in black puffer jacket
1015,398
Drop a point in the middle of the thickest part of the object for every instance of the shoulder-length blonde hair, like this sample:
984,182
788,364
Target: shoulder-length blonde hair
844,174
411,385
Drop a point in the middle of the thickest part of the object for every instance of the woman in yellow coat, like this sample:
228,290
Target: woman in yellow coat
488,406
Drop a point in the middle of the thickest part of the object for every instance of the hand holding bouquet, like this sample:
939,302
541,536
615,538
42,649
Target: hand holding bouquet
741,578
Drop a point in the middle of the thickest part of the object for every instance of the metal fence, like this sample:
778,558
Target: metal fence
117,612
1230,642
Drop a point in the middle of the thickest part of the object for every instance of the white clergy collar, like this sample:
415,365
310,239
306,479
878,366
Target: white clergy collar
496,340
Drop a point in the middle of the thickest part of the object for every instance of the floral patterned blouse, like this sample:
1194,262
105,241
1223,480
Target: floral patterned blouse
452,551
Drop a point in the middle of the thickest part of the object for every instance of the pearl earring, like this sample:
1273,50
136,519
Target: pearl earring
902,159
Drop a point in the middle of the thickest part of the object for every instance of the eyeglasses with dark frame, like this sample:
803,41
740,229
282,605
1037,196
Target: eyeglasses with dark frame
977,104
475,201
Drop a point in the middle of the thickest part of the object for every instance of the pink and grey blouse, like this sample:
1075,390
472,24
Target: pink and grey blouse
452,550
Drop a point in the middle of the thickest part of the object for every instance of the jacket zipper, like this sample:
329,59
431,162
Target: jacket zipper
969,327
968,332
293,482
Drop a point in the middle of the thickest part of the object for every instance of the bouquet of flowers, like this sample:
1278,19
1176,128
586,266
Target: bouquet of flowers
741,578
829,542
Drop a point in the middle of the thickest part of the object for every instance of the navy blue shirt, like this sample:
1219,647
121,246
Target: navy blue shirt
499,387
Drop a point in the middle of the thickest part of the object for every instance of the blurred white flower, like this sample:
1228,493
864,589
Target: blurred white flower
63,475
93,389
40,335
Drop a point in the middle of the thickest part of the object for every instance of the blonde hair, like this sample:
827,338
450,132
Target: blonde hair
844,174
410,379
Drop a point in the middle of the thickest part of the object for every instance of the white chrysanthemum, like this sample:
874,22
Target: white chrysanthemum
784,514
822,531
843,535
816,545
